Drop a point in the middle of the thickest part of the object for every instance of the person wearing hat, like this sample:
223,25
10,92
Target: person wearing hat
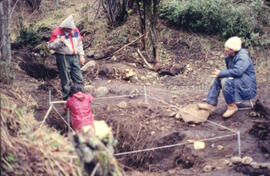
237,80
66,42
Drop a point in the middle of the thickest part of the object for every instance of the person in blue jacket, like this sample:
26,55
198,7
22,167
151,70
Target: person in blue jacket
237,80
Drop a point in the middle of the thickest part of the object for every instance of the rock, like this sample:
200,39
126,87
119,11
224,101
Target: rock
99,54
187,69
89,88
247,160
178,116
172,172
266,165
172,114
252,114
90,53
128,73
88,65
134,93
114,58
236,159
227,162
220,147
102,91
192,113
134,79
254,164
207,168
122,104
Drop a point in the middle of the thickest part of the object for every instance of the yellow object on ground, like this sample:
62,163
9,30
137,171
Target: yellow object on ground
102,130
199,145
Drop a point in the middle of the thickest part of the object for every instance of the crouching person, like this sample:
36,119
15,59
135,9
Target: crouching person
92,140
237,80
79,105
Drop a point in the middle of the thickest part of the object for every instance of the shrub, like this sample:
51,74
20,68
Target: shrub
27,35
218,17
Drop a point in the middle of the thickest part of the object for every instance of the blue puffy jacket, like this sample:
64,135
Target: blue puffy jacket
243,72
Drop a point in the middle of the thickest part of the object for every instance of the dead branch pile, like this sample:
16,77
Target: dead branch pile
26,148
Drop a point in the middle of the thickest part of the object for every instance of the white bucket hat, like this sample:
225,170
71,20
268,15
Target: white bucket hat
233,43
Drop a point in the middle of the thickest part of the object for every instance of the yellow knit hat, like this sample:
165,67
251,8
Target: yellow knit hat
233,43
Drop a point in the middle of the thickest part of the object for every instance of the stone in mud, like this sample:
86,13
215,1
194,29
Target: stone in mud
207,168
88,65
254,164
236,159
122,104
247,160
191,113
102,91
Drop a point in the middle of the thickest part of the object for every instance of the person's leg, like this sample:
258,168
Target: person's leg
213,93
212,97
76,73
228,90
63,66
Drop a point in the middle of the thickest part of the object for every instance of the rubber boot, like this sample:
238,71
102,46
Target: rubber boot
231,109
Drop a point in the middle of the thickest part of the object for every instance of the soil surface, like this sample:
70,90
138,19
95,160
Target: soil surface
141,105
142,112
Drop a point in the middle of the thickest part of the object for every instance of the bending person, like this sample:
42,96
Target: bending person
237,80
79,106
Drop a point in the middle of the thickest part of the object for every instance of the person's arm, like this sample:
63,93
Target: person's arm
238,69
67,104
55,41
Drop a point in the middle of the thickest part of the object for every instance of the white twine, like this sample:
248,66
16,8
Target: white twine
153,148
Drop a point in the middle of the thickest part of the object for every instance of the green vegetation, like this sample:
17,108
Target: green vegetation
222,18
27,35
28,148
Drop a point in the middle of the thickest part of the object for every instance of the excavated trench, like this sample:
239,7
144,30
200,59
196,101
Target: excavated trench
132,130
38,71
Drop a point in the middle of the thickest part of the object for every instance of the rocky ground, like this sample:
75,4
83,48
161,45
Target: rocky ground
143,106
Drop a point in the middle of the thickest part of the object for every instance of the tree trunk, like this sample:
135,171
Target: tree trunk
5,40
116,11
142,21
151,13
154,35
2,26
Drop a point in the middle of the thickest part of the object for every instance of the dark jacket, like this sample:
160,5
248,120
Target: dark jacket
243,72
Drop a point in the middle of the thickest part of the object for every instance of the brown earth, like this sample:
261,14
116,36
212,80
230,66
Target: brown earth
139,122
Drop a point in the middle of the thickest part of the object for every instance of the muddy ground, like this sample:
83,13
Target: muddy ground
142,112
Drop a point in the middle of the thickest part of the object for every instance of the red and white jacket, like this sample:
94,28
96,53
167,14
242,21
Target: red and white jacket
72,44
81,113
